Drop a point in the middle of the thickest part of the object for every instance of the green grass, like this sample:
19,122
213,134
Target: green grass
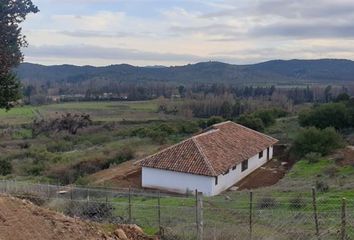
99,111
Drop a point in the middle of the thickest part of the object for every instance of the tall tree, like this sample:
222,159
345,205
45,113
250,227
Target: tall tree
12,13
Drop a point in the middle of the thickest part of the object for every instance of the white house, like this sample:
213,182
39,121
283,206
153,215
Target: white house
210,162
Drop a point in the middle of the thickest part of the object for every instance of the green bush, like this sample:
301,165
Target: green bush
125,154
5,167
214,120
322,186
313,157
252,122
335,115
322,141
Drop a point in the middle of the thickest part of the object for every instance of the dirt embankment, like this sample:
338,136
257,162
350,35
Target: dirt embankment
21,220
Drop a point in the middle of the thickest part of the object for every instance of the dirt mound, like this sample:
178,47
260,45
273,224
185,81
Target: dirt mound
21,220
345,156
127,174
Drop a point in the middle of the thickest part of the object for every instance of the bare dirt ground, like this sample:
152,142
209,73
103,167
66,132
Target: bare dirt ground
124,175
21,220
267,175
345,156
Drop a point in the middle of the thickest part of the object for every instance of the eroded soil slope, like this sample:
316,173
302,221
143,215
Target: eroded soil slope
21,220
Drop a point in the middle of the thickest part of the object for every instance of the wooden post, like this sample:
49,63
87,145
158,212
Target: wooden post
200,216
315,216
159,211
130,206
343,224
251,213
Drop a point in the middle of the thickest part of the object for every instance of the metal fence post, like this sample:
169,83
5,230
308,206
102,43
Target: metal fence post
159,211
196,213
251,219
130,206
343,222
315,214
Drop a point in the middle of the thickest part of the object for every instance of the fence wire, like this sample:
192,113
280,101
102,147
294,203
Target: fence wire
255,216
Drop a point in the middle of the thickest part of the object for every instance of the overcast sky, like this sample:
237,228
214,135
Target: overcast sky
176,32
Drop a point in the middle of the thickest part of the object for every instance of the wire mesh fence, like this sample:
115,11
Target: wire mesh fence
245,215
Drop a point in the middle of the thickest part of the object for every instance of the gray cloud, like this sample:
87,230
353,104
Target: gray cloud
94,52
86,34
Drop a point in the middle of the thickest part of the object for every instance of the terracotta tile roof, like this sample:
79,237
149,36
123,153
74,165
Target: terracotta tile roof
212,152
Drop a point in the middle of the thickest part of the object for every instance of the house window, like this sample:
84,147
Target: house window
244,165
260,155
234,167
216,180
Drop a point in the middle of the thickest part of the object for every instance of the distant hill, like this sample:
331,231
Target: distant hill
276,71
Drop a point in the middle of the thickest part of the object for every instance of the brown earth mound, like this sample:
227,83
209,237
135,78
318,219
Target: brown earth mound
21,220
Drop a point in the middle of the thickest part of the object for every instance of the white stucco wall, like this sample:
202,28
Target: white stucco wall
182,182
176,181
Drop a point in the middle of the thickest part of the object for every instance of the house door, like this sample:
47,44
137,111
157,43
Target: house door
267,154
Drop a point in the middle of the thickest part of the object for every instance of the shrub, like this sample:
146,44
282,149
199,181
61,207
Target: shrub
331,171
252,122
125,154
297,203
266,116
313,157
95,211
267,202
214,120
327,115
311,140
322,186
5,167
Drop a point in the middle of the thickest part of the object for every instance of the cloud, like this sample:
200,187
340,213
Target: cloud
180,31
94,52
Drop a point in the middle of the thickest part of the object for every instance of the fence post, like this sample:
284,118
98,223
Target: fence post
200,215
88,198
130,206
315,215
251,213
159,211
343,224
196,212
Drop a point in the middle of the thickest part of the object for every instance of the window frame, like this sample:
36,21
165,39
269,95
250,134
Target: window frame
216,180
260,154
244,165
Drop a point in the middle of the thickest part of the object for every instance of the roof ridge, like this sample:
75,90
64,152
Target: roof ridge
206,160
265,135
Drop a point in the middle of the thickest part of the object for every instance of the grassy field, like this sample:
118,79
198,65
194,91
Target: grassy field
99,111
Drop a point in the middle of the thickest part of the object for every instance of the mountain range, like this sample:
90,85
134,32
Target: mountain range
275,71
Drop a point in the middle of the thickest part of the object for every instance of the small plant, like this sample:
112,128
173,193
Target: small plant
331,171
5,167
267,202
297,203
313,157
322,186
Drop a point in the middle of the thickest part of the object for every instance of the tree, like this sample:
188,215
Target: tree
28,92
335,115
343,97
226,109
252,122
12,13
67,122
